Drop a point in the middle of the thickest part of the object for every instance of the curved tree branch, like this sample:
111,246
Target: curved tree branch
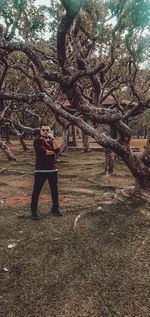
72,8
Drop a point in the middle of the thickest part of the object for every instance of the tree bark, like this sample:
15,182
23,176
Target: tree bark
7,151
64,143
85,142
71,136
139,170
109,162
74,143
22,141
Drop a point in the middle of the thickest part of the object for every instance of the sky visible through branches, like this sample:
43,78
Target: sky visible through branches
42,2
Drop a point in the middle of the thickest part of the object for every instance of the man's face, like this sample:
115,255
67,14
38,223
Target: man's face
45,131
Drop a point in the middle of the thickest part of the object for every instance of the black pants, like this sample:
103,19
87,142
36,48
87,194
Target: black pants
40,178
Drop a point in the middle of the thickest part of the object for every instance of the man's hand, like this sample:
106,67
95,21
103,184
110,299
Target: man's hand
51,137
49,152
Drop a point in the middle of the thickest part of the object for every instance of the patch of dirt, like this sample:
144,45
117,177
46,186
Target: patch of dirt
106,202
23,200
82,190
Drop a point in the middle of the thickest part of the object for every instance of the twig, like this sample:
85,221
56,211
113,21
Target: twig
79,216
3,170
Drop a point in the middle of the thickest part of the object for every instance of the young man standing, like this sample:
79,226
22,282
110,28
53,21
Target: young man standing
46,148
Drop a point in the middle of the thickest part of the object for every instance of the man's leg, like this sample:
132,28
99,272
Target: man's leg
38,184
53,183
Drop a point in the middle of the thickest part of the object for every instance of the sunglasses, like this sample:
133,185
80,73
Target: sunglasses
45,130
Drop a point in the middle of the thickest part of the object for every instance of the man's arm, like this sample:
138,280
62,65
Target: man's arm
52,150
49,152
56,147
41,149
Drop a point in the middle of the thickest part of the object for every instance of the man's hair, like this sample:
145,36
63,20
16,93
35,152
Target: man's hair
43,124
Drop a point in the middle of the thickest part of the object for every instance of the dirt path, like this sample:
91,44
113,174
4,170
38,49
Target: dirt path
25,200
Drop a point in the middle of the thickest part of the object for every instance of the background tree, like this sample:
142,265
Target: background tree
100,49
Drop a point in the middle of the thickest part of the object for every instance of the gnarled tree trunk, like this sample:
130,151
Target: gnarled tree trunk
7,151
143,179
22,141
140,169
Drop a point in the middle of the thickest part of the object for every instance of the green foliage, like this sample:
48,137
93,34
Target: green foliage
137,11
23,16
131,18
19,5
140,13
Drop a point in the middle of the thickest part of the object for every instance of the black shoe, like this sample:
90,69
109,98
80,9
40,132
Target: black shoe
56,213
35,216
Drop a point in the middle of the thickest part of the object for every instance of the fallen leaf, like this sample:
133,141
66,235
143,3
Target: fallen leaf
100,208
5,269
12,245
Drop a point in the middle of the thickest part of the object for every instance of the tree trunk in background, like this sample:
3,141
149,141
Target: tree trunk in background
7,151
78,133
22,141
139,132
71,136
74,143
109,162
8,138
145,131
85,142
64,143
109,156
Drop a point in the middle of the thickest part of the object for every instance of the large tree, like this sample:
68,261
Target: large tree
98,53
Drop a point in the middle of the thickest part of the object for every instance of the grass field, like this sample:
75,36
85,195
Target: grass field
93,262
138,143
